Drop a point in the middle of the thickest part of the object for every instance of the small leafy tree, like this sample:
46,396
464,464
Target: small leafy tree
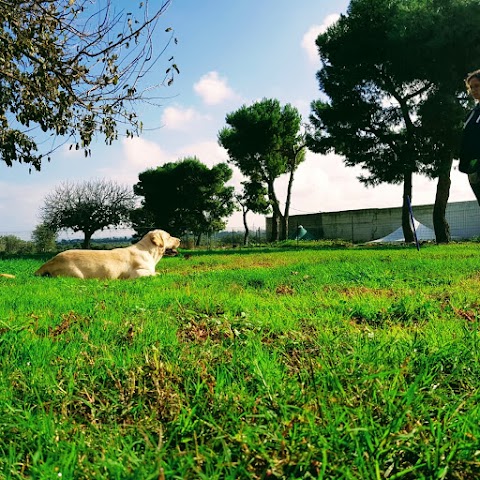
71,69
44,238
265,141
88,207
12,244
253,198
184,197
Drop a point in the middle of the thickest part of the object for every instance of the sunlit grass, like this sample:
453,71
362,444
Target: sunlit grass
308,361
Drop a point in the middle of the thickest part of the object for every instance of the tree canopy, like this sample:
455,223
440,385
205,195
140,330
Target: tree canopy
44,238
264,141
88,207
392,71
70,69
184,197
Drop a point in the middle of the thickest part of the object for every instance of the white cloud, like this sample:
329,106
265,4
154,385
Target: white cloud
20,208
308,40
208,152
183,119
137,155
214,89
143,153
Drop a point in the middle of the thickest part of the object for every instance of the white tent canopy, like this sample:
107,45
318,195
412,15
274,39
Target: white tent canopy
423,233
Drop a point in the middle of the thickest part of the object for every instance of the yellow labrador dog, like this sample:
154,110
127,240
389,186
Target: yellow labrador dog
135,261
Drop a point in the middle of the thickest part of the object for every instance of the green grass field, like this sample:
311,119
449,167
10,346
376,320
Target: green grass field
308,362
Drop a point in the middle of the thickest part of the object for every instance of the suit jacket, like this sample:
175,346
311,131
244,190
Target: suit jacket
470,147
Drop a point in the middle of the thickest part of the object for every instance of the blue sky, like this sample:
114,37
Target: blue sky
229,53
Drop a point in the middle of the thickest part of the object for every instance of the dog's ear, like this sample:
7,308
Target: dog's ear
157,238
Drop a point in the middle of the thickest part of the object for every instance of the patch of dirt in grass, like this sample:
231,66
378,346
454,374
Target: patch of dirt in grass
358,291
298,348
68,320
237,263
202,329
120,394
468,315
475,277
284,290
301,358
128,334
378,319
469,312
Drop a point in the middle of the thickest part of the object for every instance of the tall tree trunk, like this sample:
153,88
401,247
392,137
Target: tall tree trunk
247,231
286,214
284,227
87,239
407,193
440,224
277,214
275,233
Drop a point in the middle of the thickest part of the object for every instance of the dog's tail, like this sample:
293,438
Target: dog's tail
7,275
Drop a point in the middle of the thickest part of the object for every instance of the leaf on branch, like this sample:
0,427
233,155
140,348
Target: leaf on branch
176,68
169,29
67,77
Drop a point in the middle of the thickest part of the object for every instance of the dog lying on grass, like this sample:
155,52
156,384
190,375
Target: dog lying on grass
135,261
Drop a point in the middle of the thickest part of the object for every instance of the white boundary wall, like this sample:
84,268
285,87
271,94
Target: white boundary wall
372,223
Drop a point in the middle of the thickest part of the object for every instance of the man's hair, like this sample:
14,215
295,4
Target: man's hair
470,76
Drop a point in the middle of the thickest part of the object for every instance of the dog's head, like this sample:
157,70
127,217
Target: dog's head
164,241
